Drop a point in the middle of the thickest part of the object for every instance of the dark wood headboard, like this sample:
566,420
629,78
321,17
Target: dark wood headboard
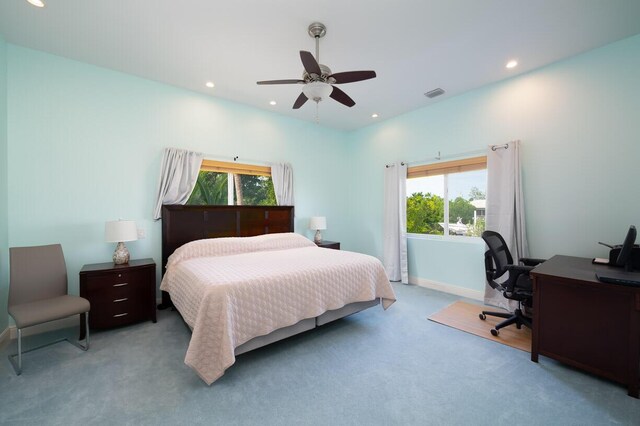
182,224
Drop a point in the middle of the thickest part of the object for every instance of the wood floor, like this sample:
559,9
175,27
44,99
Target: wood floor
464,316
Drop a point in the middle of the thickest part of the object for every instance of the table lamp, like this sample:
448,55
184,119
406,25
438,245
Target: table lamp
119,231
318,223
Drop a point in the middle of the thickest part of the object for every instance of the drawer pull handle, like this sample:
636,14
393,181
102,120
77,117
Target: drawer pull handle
120,285
120,300
119,275
120,315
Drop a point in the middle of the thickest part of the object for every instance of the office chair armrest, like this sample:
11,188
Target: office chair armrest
530,261
522,269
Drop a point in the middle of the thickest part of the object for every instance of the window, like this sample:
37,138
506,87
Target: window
447,198
222,183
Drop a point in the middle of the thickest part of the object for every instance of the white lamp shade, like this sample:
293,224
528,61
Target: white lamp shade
317,90
117,231
318,222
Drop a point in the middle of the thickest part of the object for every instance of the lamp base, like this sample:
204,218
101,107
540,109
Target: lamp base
318,237
121,255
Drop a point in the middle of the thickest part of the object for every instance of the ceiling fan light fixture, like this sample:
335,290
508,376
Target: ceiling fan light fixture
317,90
36,3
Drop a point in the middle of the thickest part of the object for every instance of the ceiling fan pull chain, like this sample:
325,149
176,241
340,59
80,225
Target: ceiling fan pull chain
317,116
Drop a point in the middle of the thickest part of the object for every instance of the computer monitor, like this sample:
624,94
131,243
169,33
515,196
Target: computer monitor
624,258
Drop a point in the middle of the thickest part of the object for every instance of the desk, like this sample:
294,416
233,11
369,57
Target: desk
584,323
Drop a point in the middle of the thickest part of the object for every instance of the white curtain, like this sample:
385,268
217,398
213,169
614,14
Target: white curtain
505,208
178,176
395,222
282,177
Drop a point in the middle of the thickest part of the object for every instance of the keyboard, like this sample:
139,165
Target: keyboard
620,280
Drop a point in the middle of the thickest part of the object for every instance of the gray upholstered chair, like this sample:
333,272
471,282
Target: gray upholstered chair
38,293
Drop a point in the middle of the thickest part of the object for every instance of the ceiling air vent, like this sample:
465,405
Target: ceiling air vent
433,93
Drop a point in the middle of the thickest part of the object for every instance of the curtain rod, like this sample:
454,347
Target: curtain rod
393,165
235,159
460,154
445,157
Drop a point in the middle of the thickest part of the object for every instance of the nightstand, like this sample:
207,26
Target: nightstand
329,244
119,294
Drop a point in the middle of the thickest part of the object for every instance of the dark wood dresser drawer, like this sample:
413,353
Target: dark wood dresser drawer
119,294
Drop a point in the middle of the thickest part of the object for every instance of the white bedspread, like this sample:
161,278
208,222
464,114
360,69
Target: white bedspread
229,296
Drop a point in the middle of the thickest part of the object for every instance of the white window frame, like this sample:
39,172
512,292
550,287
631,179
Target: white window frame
445,169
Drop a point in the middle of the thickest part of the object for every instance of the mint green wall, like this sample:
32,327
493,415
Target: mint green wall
579,124
4,275
85,145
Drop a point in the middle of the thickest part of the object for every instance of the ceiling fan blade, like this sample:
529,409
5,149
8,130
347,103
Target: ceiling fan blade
280,82
352,76
342,97
300,101
309,62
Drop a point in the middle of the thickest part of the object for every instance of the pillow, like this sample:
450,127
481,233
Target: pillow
212,247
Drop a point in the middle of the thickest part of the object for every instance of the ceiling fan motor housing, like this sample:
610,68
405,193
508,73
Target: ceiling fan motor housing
324,77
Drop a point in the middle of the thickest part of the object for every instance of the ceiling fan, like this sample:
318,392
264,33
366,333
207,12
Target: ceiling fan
317,78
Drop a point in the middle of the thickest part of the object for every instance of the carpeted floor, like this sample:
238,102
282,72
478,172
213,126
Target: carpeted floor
376,367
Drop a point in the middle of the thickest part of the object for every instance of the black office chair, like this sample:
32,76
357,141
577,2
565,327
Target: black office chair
497,262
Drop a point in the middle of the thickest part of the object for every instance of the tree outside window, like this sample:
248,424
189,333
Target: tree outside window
218,185
453,202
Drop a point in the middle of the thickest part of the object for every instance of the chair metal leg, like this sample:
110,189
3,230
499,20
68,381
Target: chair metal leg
17,366
19,351
86,319
86,337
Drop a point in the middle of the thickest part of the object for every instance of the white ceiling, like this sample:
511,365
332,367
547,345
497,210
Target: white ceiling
413,45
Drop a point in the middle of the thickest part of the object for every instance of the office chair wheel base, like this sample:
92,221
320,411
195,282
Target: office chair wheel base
494,332
482,317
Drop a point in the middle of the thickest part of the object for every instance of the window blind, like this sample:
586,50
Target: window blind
236,168
456,166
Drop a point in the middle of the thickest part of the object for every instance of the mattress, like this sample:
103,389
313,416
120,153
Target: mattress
230,290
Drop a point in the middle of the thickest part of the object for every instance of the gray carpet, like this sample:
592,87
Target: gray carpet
376,367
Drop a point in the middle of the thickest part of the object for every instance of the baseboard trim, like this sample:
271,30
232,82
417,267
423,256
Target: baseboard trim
4,337
447,288
68,322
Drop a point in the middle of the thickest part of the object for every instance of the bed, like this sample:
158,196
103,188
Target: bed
238,294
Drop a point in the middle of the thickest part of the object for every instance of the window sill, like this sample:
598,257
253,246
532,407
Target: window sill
446,238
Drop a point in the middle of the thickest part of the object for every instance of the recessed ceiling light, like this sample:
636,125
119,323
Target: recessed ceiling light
36,3
210,84
272,103
512,64
374,115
